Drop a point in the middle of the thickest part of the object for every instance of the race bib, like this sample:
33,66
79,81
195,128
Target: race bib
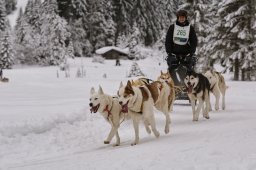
181,34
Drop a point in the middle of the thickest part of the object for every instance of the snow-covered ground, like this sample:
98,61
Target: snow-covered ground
45,123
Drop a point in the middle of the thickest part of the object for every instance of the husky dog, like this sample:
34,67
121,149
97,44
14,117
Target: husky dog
110,109
217,87
198,88
166,77
138,102
165,96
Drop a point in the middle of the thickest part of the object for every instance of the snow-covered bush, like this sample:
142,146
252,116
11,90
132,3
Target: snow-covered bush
135,71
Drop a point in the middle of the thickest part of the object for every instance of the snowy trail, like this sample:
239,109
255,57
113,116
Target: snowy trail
34,134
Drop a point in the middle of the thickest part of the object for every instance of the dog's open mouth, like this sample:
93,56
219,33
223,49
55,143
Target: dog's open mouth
94,109
125,107
190,88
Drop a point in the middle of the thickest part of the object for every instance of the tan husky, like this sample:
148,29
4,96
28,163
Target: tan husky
138,102
165,95
166,77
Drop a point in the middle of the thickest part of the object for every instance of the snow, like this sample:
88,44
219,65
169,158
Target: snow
46,124
108,48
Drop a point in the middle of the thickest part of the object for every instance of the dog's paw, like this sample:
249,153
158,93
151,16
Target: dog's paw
217,108
195,120
134,143
157,134
207,117
117,144
106,142
166,130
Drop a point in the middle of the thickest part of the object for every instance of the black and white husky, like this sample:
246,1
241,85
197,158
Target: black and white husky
198,88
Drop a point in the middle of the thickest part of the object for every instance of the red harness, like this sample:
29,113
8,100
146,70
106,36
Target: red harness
161,87
108,111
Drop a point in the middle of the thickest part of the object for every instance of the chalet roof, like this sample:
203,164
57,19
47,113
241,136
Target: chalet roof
103,50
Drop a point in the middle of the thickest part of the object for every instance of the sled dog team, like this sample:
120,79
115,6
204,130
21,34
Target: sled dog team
137,98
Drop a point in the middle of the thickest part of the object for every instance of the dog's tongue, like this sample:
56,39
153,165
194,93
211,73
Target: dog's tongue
190,88
91,109
124,108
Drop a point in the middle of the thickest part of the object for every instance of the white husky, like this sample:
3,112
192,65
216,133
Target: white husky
110,109
138,102
217,87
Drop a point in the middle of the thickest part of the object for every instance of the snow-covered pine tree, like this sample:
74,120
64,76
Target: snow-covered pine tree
6,48
234,35
2,15
100,24
54,34
135,71
28,11
24,41
35,18
6,51
150,17
134,40
122,10
207,59
169,9
203,21
78,37
250,60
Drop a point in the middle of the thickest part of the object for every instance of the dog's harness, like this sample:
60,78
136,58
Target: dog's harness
161,87
213,87
196,90
143,91
108,111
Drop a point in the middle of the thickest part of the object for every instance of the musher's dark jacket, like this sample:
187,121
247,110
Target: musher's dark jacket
189,48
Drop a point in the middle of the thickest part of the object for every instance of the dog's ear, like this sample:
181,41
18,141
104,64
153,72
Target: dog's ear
100,90
121,85
129,85
168,72
132,82
129,88
92,90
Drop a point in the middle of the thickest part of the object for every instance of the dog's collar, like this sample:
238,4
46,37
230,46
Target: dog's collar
140,112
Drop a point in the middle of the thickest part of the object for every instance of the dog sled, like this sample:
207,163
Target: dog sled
181,64
178,77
